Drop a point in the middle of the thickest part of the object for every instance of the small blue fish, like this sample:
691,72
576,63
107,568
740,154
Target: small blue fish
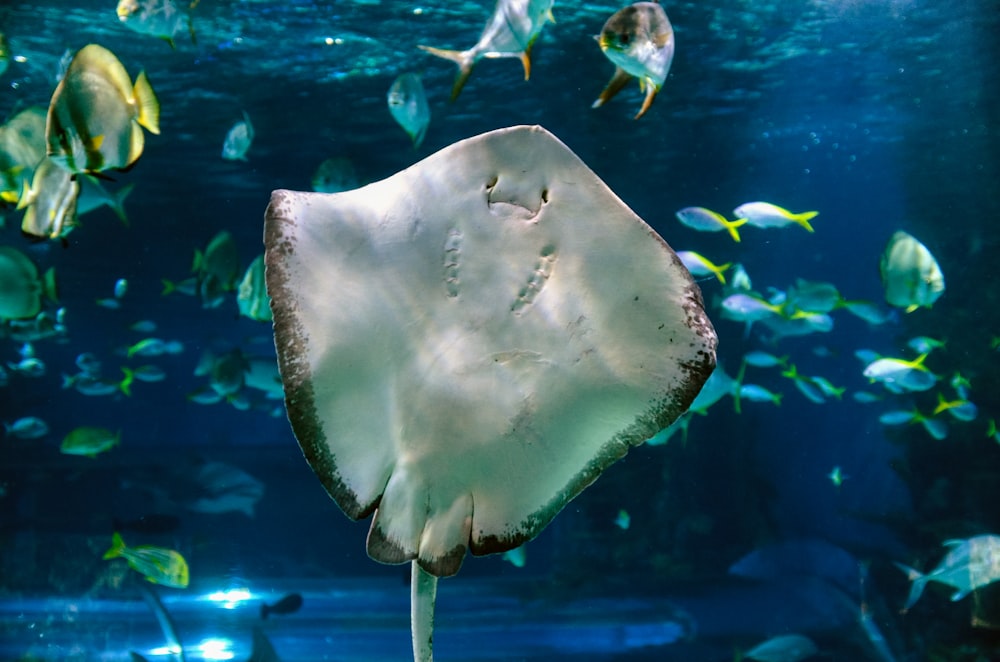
238,140
623,520
757,393
29,427
783,648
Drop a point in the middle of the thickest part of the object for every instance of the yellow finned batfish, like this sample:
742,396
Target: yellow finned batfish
912,278
96,115
50,202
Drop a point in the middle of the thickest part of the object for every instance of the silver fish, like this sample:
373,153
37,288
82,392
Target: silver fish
639,41
408,105
510,32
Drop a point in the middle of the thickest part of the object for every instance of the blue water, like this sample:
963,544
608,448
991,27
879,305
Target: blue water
880,114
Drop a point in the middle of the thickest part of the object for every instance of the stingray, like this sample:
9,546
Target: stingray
468,344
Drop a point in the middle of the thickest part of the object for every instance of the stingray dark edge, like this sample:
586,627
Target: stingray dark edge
659,414
290,342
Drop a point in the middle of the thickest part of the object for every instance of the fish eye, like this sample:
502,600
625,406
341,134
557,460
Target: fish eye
624,37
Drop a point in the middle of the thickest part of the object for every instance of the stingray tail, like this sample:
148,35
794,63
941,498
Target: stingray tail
423,595
464,60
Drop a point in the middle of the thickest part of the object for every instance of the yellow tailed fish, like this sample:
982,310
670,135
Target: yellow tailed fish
766,215
639,41
510,32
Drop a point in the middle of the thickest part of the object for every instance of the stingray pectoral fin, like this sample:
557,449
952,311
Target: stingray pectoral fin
619,80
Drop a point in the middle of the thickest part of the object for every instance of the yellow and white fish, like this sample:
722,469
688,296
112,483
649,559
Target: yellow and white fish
766,215
910,275
699,265
96,114
238,140
408,105
639,41
900,375
510,32
50,202
158,18
158,565
706,220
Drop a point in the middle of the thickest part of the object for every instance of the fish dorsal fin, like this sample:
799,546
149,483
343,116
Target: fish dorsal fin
148,105
952,542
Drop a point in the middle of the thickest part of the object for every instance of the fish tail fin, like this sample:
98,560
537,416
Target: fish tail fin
719,269
804,218
916,588
199,258
464,60
169,287
942,404
50,285
526,62
149,107
125,385
731,227
777,399
117,547
737,387
118,202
